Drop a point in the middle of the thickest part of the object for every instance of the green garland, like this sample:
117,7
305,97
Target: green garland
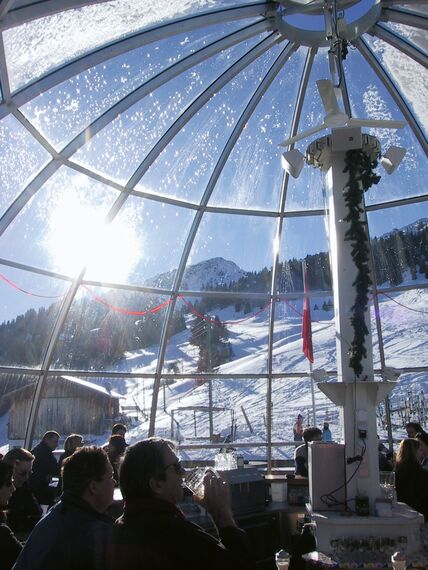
361,177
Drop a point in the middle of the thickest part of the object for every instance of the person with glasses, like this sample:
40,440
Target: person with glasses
154,533
24,511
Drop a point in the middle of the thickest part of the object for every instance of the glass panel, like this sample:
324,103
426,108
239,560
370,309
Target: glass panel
112,329
376,103
86,406
404,327
28,310
306,192
21,157
64,111
239,413
399,244
407,403
288,353
120,147
183,169
149,237
221,334
413,35
252,176
313,249
16,396
291,397
92,27
220,258
409,77
62,227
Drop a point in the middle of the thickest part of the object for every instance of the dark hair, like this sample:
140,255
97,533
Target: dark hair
117,428
118,443
422,436
70,442
310,433
6,472
142,461
417,427
85,465
18,454
50,435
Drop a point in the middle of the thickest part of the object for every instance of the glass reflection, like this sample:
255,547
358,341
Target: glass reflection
112,329
28,310
21,157
220,335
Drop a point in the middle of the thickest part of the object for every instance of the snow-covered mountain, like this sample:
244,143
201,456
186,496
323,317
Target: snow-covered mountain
204,275
414,227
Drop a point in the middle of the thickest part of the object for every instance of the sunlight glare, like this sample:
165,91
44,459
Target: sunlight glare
79,237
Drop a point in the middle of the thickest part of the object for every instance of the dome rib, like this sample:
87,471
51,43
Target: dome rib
401,44
392,89
401,16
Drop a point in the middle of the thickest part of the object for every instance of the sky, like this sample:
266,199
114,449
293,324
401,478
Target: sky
61,225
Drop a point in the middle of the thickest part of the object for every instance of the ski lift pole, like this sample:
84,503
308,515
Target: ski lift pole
314,411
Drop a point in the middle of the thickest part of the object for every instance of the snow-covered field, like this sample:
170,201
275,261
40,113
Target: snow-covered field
405,334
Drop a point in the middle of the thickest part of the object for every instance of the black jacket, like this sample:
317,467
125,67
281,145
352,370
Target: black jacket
154,534
10,546
45,467
24,511
412,488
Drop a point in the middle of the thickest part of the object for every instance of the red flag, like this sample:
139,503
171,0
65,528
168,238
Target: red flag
306,324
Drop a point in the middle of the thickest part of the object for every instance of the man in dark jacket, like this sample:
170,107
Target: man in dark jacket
24,512
153,533
75,532
45,467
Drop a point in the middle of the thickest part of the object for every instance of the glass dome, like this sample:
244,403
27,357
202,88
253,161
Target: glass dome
151,242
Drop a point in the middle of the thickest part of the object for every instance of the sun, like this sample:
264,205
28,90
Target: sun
78,236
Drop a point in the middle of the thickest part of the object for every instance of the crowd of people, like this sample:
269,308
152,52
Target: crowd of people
78,530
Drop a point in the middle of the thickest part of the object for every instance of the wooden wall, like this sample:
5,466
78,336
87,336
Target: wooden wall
65,408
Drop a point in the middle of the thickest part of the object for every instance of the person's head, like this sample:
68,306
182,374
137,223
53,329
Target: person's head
151,468
21,460
409,454
116,447
88,474
6,484
51,438
412,428
299,418
73,442
326,425
118,429
422,437
312,434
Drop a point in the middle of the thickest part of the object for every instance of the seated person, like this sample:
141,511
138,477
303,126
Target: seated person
72,442
75,533
412,428
301,452
154,534
24,511
116,449
45,467
10,546
411,479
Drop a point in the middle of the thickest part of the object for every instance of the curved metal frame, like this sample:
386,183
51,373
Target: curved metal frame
10,16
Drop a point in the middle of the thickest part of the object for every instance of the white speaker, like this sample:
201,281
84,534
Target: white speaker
292,162
327,476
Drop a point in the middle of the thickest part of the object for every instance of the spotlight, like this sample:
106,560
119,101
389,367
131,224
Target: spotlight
319,375
392,158
292,162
